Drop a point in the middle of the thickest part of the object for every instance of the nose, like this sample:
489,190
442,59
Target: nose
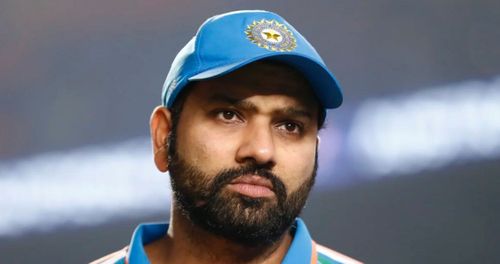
257,145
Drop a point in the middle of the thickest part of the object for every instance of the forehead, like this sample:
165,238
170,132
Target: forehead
261,78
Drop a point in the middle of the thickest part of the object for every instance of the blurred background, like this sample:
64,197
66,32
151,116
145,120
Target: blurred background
409,165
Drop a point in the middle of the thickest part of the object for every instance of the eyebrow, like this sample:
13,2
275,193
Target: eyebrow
294,111
249,106
241,103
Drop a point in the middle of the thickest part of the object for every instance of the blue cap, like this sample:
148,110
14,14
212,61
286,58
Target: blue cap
229,41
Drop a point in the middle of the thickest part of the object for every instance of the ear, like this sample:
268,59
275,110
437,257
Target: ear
318,141
160,125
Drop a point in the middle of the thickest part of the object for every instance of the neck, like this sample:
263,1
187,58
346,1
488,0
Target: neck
188,243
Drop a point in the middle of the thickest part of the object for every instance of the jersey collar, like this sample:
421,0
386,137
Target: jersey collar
301,250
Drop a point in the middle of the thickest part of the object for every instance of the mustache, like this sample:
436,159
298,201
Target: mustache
228,175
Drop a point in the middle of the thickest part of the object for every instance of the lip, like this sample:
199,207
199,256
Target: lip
253,186
253,180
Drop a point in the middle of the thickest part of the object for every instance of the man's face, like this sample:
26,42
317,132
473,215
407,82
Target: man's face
243,153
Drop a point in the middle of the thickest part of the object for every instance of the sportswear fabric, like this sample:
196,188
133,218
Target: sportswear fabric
227,42
303,250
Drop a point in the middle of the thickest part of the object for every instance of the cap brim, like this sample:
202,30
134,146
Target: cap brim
321,79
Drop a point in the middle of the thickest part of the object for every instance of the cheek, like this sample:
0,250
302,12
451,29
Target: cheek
205,148
295,165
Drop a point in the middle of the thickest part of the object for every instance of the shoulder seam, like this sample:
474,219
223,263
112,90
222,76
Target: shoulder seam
336,255
112,258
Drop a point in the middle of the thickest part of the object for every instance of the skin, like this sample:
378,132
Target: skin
264,112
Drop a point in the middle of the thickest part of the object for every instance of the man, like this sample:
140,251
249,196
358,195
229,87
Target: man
238,134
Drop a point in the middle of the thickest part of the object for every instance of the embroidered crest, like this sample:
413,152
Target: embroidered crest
271,35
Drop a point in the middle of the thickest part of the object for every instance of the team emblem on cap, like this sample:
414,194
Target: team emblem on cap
271,35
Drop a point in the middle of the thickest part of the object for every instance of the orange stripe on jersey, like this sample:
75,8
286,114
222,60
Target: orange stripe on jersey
314,254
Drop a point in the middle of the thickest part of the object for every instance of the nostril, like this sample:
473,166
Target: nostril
266,164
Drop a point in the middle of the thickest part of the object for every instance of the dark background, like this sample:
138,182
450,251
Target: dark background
78,73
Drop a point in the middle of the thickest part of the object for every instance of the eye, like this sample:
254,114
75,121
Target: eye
227,115
291,127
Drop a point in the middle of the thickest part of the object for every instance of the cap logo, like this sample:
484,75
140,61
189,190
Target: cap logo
271,35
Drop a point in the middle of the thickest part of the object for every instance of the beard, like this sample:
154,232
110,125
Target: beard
245,220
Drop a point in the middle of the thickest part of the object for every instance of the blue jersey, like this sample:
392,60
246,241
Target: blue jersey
303,249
